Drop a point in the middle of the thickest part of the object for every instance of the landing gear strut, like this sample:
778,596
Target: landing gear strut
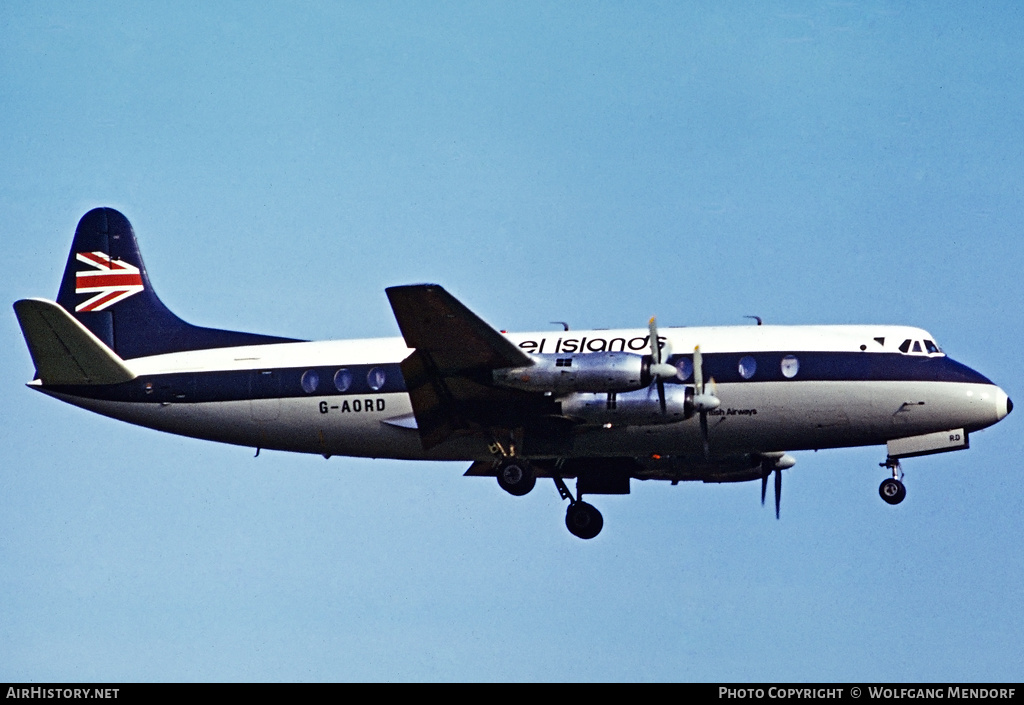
582,519
515,475
892,489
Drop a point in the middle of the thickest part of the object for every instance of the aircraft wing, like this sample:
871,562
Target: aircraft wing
434,321
448,375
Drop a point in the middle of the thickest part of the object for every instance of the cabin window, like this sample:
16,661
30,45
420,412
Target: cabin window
342,380
790,366
310,381
747,367
376,378
685,368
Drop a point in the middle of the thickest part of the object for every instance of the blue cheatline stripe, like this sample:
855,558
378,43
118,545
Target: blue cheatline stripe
839,366
724,367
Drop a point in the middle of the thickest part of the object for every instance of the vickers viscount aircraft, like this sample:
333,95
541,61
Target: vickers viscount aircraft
719,404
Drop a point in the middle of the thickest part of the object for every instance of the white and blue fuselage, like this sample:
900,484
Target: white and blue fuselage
781,388
717,404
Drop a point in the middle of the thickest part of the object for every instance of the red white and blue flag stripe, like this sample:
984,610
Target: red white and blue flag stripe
110,280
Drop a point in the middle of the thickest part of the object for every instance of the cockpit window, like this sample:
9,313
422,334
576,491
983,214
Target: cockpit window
927,347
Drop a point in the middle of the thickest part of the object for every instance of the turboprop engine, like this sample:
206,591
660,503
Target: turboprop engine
640,407
587,372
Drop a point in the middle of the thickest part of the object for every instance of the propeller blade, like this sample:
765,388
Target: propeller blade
652,326
704,435
774,461
702,401
778,491
660,371
698,372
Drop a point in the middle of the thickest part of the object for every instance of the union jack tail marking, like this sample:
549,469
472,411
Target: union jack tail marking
111,280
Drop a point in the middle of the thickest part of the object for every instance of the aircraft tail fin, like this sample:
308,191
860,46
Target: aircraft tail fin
63,350
106,288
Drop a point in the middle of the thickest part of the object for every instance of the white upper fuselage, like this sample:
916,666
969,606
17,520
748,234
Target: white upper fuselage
711,339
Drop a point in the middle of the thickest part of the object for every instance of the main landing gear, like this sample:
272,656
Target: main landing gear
892,489
582,519
517,477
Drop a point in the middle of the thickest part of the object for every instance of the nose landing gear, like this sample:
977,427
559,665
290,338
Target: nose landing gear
892,489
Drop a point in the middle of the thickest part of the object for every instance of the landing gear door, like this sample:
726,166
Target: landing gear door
929,443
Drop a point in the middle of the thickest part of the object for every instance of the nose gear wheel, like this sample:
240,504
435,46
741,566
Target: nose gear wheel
892,489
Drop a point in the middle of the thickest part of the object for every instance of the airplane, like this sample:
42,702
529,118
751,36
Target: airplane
603,407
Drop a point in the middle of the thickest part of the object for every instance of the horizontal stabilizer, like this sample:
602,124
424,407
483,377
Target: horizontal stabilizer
63,350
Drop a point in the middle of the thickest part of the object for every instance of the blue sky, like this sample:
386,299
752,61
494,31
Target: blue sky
596,163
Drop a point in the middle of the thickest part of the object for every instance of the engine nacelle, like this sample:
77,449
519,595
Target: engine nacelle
587,372
636,408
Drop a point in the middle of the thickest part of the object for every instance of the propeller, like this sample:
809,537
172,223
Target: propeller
774,462
660,370
703,401
766,470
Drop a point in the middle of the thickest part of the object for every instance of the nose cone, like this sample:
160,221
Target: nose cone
1003,405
